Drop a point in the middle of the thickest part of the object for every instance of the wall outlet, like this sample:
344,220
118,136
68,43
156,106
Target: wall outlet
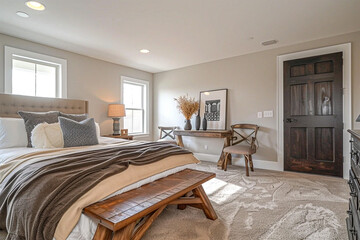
206,147
268,114
259,114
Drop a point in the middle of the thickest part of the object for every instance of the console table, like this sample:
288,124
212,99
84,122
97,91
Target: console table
225,134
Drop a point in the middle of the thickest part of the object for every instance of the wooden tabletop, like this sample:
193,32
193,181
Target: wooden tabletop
202,133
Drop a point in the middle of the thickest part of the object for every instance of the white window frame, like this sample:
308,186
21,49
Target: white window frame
146,102
20,54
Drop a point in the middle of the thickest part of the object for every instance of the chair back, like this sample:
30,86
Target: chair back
167,132
239,135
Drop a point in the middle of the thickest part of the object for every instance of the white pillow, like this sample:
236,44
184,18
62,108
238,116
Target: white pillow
47,135
12,133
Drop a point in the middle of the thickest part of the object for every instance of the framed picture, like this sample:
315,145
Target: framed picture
124,132
213,106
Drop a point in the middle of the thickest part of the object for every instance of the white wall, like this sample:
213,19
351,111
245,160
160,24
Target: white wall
88,79
251,80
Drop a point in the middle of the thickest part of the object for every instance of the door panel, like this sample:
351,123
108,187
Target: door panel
313,118
323,98
299,100
324,67
324,144
298,135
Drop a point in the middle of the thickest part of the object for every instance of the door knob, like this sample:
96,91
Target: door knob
290,120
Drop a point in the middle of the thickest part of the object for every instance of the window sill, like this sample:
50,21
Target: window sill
140,134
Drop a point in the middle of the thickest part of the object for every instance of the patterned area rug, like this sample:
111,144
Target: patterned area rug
267,205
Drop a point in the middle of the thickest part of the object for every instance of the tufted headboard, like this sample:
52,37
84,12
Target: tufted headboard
10,104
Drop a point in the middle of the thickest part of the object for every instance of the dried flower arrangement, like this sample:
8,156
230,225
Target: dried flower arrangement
187,106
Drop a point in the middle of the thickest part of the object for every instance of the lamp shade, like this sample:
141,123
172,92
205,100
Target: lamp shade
358,119
116,110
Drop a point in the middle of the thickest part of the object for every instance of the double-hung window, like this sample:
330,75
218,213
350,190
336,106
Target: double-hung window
135,96
33,74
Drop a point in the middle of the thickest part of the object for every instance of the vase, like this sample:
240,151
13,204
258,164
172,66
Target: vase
187,125
197,122
204,123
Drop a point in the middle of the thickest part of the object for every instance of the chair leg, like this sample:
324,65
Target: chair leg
247,164
225,161
251,163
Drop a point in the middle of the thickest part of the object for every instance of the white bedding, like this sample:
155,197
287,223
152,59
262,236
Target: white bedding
85,228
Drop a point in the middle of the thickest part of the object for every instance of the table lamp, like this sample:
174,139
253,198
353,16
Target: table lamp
116,111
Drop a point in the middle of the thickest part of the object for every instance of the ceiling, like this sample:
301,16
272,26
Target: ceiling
178,33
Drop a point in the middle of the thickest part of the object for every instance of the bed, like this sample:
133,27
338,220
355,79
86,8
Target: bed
73,224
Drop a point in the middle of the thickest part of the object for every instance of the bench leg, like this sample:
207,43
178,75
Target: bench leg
125,233
102,233
183,206
206,204
141,230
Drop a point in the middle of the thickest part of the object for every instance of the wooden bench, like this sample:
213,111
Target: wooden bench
118,215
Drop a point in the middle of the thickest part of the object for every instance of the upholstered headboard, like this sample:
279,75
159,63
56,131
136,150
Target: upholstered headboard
11,104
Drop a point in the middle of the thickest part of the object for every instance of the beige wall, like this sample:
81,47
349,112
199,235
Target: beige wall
88,78
251,80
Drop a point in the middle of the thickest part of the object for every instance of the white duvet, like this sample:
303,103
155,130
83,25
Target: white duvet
85,228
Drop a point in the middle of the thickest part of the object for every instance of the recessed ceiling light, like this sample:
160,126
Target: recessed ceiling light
144,51
22,14
35,5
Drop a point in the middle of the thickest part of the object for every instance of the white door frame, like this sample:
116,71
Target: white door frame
347,116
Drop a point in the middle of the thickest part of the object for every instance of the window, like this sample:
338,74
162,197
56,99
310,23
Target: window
135,96
32,74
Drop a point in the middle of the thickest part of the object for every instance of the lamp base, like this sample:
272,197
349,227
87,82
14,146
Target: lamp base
116,126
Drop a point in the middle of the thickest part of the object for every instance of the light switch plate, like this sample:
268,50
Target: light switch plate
268,114
259,114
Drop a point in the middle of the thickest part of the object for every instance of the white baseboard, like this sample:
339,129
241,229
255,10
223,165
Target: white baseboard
260,164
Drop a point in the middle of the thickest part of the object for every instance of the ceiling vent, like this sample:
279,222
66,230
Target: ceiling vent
267,43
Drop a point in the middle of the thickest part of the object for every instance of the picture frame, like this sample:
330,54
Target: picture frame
213,106
124,132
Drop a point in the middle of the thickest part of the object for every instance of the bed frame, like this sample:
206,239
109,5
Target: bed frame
10,104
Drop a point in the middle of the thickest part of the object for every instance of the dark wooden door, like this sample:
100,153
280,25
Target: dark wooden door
313,115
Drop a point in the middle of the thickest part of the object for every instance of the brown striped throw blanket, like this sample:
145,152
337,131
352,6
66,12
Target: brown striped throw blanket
35,197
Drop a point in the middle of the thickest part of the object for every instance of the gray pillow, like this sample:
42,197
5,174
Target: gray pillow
78,133
32,119
75,117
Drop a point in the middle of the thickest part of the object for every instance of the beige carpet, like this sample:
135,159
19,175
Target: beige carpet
266,205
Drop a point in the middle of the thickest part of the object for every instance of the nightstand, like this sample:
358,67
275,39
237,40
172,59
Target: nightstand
128,137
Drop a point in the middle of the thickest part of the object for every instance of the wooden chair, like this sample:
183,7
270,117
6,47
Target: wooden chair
246,150
167,135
